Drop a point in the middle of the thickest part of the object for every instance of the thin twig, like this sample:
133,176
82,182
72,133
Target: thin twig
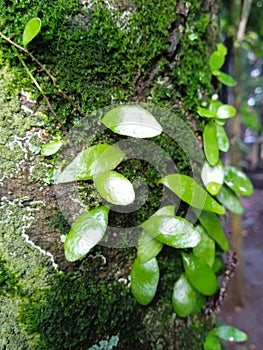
42,93
53,79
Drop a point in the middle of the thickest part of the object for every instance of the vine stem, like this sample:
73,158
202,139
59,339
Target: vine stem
42,93
43,68
77,108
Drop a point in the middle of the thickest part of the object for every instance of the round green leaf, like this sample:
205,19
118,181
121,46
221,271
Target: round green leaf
191,192
205,250
168,211
132,120
214,229
222,49
210,143
225,79
238,181
207,113
184,297
98,159
216,60
85,233
114,188
173,231
51,147
219,265
213,177
212,342
200,301
31,30
148,247
199,274
222,139
230,333
144,280
229,199
91,161
225,112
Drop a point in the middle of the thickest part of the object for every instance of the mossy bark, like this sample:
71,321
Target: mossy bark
101,53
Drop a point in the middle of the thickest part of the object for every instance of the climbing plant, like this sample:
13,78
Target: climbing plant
198,243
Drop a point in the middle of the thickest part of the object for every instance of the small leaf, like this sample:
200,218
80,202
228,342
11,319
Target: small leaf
168,211
98,159
85,233
213,177
210,143
212,342
199,274
214,229
207,113
230,333
238,181
148,247
51,147
114,188
191,192
93,160
216,60
133,121
205,250
222,139
184,297
225,112
144,280
229,199
222,49
225,79
31,30
219,265
173,231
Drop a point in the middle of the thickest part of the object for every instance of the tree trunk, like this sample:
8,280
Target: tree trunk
101,53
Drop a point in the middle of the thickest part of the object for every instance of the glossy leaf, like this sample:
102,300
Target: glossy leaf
212,342
207,113
225,79
213,177
51,147
222,49
168,211
230,333
200,301
229,199
133,121
148,247
85,233
210,143
114,188
93,160
184,297
199,274
144,280
173,231
214,229
191,192
226,112
216,60
219,265
31,30
238,181
222,139
205,250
